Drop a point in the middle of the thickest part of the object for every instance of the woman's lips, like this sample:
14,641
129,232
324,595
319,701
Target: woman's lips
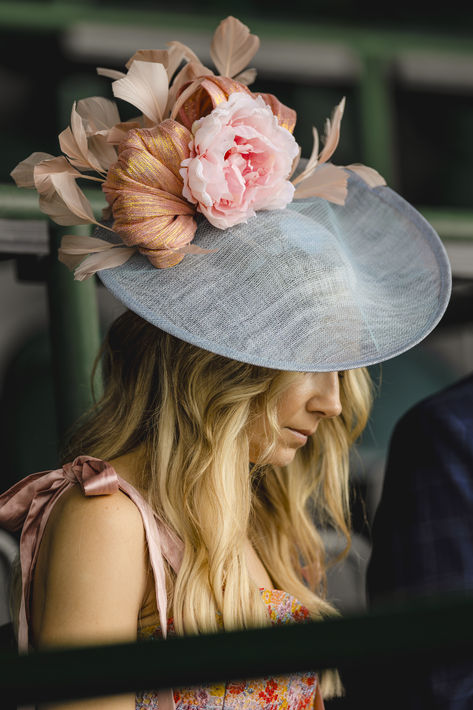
301,434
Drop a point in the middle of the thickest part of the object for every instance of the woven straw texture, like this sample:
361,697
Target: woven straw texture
314,287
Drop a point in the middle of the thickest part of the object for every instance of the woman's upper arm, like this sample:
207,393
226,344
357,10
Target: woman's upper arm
91,572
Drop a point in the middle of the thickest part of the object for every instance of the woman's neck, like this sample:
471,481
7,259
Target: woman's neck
130,466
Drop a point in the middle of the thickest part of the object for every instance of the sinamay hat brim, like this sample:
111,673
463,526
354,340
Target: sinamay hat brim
314,287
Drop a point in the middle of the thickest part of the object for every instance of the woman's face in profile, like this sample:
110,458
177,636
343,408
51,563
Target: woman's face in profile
312,396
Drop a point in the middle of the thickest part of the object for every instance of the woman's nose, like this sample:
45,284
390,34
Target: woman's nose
326,400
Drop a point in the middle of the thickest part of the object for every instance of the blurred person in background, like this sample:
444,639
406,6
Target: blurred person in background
423,528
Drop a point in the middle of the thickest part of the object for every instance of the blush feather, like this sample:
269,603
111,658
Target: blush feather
233,47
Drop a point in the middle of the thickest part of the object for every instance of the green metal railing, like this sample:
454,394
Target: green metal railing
419,633
75,338
74,319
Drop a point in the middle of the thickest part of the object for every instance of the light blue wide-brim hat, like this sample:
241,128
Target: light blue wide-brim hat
313,287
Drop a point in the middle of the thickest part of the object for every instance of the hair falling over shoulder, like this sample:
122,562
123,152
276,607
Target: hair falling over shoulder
189,411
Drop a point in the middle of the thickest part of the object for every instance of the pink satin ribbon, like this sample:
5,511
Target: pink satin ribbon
29,504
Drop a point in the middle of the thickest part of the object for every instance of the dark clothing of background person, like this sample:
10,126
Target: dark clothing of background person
423,529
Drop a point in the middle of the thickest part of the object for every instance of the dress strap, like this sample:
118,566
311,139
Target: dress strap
318,702
29,503
161,543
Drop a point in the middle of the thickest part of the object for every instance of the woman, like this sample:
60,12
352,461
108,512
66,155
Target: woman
234,385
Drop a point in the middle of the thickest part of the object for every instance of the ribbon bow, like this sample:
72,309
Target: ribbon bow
29,503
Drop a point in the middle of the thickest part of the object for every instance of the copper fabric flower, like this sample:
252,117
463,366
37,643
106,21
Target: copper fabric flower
144,189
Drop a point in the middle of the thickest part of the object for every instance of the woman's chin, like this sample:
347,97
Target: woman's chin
283,456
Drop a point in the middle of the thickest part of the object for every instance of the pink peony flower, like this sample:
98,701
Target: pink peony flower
240,161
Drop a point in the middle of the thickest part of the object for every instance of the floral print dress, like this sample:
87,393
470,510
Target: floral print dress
291,692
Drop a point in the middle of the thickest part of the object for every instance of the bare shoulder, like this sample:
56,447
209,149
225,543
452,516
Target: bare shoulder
91,574
112,515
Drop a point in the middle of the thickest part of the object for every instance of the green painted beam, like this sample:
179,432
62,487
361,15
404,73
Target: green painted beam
73,310
376,118
75,337
419,631
384,41
452,224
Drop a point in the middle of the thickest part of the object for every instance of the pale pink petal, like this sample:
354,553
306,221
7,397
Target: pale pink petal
286,116
332,132
295,163
78,131
85,142
369,175
327,181
277,199
179,51
312,162
115,256
103,151
146,87
246,77
240,161
188,73
159,56
188,91
73,142
69,260
73,198
60,197
233,47
23,173
70,148
58,211
43,171
82,244
119,132
110,73
99,114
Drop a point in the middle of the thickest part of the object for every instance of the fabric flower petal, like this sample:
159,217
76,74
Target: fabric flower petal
241,161
210,91
233,47
144,189
327,181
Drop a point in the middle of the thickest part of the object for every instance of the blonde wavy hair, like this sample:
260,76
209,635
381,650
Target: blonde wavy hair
189,411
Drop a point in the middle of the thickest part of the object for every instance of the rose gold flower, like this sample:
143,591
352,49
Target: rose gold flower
145,190
198,98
